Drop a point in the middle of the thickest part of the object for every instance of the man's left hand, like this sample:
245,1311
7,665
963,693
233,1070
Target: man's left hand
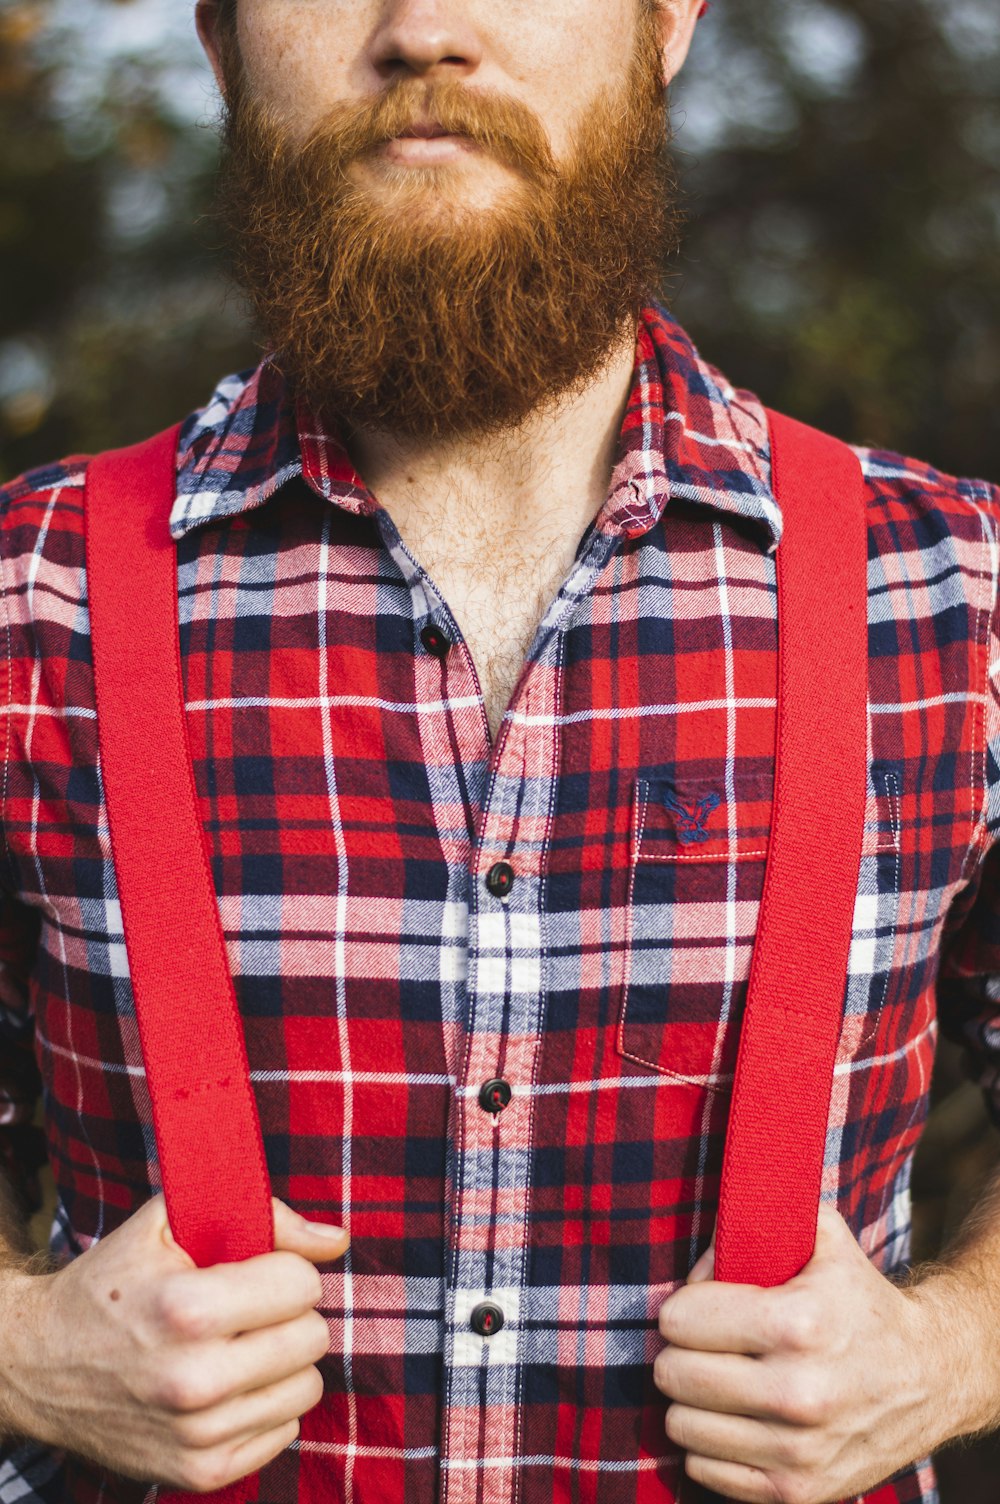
807,1393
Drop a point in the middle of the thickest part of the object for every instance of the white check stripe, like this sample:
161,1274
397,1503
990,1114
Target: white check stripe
343,1033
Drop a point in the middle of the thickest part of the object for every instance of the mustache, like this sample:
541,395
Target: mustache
503,127
405,309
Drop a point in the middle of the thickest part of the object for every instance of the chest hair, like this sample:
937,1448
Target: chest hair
498,606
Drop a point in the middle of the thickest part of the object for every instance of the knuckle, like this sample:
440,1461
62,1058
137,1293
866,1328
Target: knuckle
776,1489
803,1326
790,1451
197,1431
207,1472
772,1317
177,1311
793,1489
299,1274
184,1389
801,1399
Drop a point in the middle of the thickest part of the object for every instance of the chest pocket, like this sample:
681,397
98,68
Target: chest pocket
697,860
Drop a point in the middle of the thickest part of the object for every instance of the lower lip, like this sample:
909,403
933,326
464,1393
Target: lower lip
424,151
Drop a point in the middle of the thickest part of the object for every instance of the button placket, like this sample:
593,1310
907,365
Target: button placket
500,879
495,1095
487,1318
436,642
504,996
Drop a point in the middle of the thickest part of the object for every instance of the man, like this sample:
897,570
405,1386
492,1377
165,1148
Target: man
478,632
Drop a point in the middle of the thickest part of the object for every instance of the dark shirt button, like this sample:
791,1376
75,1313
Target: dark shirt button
500,879
494,1096
435,641
486,1319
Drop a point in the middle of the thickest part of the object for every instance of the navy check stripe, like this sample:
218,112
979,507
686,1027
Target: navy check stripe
354,806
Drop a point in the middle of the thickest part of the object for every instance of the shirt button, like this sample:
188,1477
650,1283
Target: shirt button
486,1319
500,879
435,641
494,1096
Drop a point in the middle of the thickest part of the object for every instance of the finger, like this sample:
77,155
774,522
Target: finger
274,1354
721,1318
731,1479
262,1291
316,1240
277,1352
726,1438
252,1360
253,1455
725,1382
255,1413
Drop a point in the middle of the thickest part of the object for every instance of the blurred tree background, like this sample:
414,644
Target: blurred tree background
841,164
840,161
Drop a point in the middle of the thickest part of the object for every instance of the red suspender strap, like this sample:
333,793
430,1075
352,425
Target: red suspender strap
207,1130
775,1142
208,1135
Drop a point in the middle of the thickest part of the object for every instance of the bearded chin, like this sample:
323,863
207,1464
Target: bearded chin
411,312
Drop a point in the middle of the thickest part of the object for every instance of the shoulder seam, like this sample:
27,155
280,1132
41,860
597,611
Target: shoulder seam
48,480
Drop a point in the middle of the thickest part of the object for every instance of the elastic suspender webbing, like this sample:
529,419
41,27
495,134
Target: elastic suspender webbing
775,1140
776,1135
208,1135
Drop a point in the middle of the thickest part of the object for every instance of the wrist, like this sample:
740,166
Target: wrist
19,1295
953,1345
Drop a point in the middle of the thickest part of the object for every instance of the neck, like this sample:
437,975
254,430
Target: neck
546,480
497,523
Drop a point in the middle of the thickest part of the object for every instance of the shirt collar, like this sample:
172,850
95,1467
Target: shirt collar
686,434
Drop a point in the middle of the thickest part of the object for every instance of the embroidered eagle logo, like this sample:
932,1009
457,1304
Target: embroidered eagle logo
691,819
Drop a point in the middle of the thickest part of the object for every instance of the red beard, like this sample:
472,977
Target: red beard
408,310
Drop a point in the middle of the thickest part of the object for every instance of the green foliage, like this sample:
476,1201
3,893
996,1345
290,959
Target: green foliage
840,159
844,253
119,321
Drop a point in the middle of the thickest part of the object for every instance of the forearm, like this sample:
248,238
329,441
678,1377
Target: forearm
20,1261
16,1246
960,1293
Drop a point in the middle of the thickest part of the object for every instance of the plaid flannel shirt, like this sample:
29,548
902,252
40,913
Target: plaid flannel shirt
355,807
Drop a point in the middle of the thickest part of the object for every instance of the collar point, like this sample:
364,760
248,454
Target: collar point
636,529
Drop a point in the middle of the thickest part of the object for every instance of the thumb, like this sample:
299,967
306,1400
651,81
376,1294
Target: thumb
316,1241
835,1242
154,1211
704,1269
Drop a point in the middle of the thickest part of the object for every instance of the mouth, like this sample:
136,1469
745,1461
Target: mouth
426,143
424,130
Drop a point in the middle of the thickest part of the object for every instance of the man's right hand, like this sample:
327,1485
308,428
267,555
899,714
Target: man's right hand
134,1358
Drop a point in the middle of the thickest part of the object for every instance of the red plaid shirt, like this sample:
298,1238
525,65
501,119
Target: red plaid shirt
355,808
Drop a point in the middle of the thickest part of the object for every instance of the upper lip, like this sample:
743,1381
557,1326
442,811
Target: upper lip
425,130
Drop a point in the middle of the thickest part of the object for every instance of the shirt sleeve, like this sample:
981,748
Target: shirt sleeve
22,1143
968,991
